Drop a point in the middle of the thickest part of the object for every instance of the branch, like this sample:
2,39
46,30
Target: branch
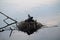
11,31
7,25
15,22
1,30
5,21
8,17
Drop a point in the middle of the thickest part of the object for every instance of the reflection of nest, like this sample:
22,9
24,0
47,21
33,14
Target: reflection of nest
29,27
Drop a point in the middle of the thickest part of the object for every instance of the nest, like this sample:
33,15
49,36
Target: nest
29,27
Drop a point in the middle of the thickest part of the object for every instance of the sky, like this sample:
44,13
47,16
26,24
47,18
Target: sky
46,12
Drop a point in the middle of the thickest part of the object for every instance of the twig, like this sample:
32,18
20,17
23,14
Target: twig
6,22
8,16
7,25
11,31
